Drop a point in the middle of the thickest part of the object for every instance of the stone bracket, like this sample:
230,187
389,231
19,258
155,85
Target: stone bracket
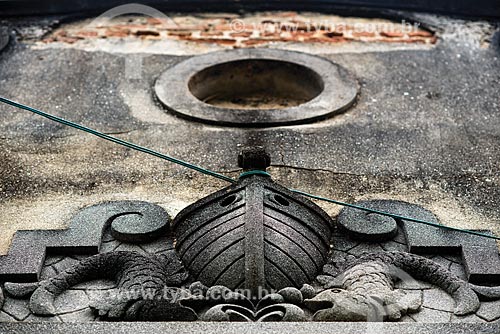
479,255
27,252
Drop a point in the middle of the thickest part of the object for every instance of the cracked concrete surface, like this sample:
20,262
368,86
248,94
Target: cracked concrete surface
424,130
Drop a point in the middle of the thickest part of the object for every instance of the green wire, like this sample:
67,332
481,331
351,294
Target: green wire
254,172
394,216
118,141
220,176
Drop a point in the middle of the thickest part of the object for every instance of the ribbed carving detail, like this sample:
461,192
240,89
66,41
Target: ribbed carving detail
255,234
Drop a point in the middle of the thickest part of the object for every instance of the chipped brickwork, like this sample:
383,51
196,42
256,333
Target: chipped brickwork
248,30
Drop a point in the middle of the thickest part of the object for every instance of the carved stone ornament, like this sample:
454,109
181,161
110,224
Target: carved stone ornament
254,251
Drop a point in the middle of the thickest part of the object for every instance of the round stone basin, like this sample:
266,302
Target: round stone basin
256,87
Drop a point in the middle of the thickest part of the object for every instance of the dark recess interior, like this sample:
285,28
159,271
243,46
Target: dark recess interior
256,84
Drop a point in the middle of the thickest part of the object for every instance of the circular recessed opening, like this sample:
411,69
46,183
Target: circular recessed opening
256,88
228,200
256,84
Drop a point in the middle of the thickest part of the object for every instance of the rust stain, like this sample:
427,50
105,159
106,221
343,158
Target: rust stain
248,30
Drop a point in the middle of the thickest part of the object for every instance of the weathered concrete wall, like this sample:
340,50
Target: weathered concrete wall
425,130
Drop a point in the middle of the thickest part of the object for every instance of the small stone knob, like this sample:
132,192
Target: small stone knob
252,158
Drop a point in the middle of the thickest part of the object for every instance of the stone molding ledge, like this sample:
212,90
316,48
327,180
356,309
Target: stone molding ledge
249,328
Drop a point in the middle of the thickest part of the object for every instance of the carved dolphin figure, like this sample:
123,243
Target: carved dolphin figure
141,280
367,292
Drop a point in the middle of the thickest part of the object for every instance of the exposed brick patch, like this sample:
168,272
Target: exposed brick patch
84,34
153,21
253,42
249,30
114,31
392,34
222,41
225,27
180,34
363,34
147,33
220,33
332,34
420,33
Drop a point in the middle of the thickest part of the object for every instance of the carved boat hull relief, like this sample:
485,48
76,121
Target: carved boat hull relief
249,236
